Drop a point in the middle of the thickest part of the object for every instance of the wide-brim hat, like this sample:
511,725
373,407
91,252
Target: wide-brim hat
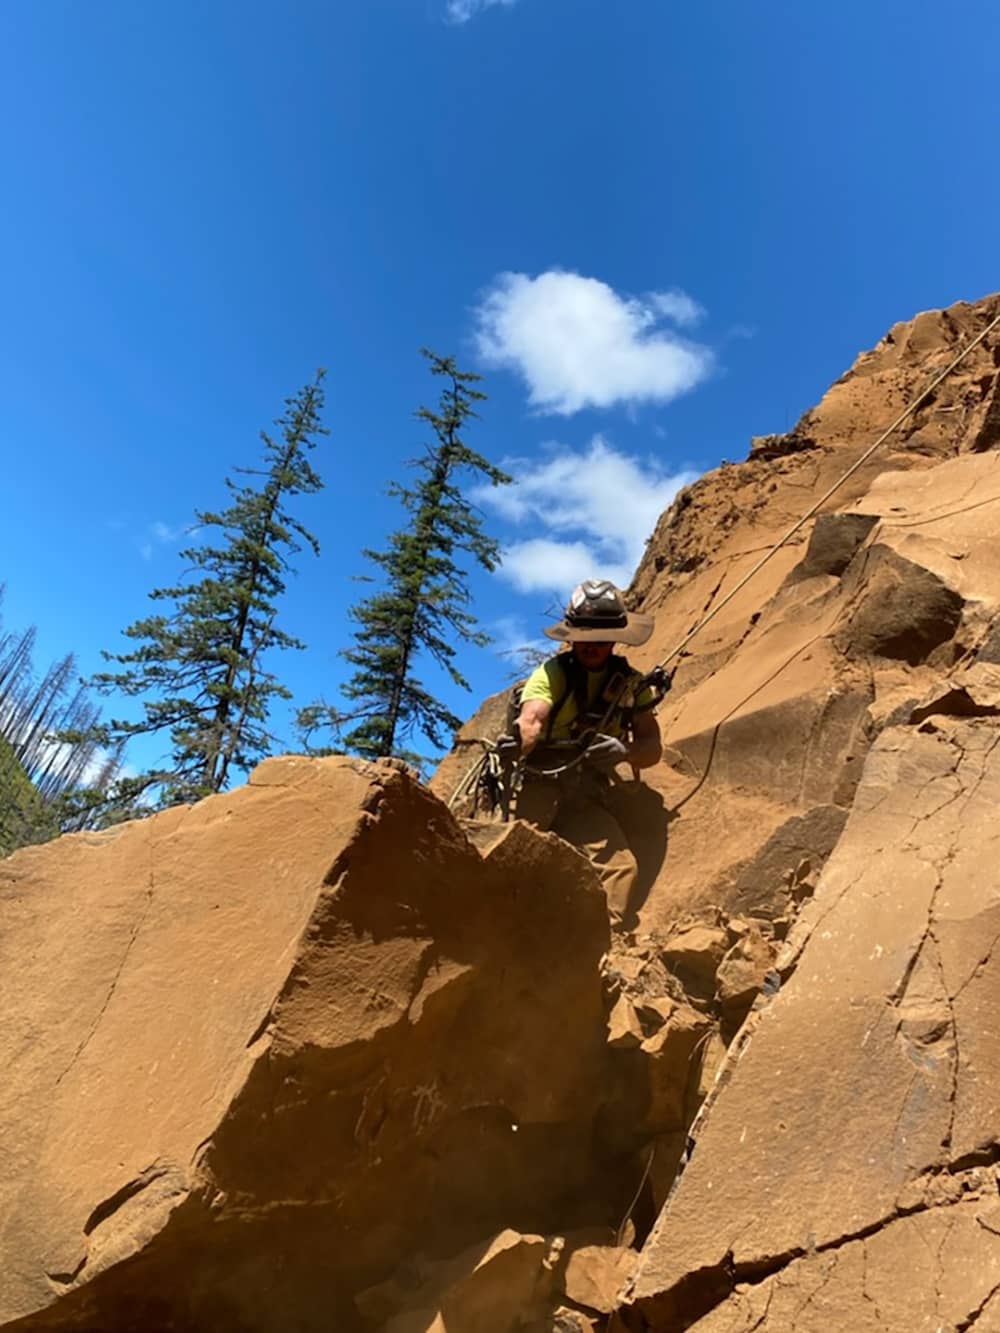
596,614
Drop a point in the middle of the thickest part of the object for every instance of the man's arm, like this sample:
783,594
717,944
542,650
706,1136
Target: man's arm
531,720
646,748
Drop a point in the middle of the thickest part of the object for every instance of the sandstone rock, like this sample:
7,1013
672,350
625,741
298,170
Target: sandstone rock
713,1056
499,1287
833,542
260,1051
653,1011
596,1274
898,608
868,1079
765,883
669,1057
624,1029
973,692
742,971
694,954
667,1155
768,725
934,1270
565,1320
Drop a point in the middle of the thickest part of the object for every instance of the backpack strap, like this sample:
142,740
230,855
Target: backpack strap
573,679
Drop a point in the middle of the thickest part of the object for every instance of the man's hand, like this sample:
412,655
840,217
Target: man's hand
605,751
508,747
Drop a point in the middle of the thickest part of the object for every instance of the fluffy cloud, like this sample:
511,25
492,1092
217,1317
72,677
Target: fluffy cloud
460,11
677,306
591,510
577,343
543,565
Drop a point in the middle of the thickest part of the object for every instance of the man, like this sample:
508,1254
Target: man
583,703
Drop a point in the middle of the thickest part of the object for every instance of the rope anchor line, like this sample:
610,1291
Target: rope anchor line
658,671
818,504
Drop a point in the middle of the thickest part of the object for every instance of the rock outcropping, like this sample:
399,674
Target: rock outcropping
260,1052
856,671
846,1175
304,1056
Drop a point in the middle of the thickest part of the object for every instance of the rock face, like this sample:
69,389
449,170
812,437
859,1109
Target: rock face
318,1054
852,1122
847,1175
259,1052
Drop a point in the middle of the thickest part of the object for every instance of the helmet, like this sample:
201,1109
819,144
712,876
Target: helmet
596,613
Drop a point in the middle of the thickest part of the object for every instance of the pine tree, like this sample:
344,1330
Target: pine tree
39,773
200,669
423,607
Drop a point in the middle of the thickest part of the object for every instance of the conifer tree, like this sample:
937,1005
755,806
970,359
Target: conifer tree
422,609
200,669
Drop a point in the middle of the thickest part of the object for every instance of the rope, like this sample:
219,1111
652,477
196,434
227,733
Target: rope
859,463
796,527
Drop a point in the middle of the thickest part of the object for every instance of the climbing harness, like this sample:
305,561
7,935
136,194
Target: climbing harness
496,776
658,678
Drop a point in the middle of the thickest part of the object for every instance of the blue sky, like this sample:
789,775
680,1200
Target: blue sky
656,228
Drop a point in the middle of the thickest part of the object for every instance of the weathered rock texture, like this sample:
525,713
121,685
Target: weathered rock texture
856,1109
259,1052
846,1175
777,701
844,1170
309,1056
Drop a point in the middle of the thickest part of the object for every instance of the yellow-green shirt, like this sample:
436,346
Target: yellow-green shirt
548,682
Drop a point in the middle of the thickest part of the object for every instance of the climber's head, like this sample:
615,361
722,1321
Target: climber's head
595,620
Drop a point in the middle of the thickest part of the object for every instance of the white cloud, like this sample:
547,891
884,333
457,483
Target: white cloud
577,343
543,565
596,508
460,11
678,306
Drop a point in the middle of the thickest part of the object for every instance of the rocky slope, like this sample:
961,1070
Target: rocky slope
318,1054
875,629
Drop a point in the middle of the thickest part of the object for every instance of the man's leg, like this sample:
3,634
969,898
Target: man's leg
586,824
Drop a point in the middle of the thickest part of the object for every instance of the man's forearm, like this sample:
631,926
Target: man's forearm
530,729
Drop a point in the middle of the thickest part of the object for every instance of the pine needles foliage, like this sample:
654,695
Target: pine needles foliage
422,610
200,668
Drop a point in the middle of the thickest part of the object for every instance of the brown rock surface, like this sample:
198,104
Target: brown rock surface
260,1050
864,1111
883,613
777,701
596,1274
315,1054
506,1284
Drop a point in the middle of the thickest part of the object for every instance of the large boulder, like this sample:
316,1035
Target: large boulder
861,1122
259,1051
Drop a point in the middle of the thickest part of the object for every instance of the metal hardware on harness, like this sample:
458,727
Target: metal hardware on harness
658,680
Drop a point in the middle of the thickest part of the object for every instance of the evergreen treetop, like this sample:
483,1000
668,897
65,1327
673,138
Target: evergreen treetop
423,607
200,668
